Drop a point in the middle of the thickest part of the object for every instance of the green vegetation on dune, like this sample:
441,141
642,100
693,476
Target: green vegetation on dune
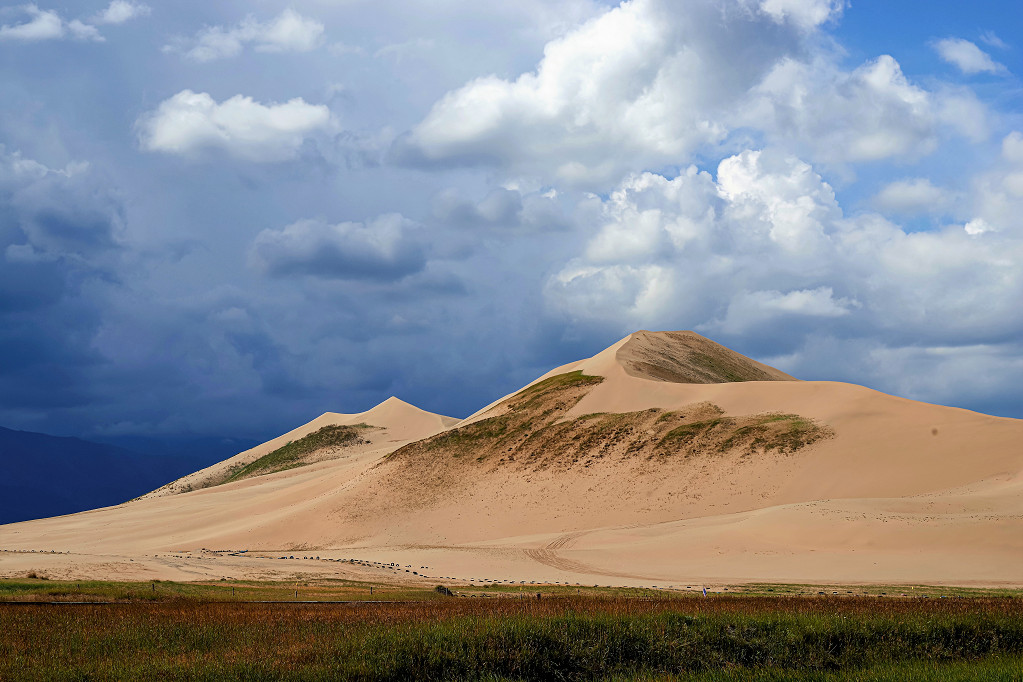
486,431
291,455
783,433
559,381
531,430
727,370
688,433
450,638
528,411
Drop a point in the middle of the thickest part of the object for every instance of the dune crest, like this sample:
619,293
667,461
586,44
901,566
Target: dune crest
685,357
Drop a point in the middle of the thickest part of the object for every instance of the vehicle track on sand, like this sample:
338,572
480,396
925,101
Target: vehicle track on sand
549,556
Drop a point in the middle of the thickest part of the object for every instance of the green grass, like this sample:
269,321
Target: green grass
687,433
534,433
994,669
558,382
327,589
484,432
450,638
781,432
898,591
323,589
531,410
290,455
784,433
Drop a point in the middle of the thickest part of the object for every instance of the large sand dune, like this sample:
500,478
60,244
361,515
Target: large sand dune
664,460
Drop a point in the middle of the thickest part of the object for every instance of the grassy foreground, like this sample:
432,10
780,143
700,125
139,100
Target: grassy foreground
715,638
45,590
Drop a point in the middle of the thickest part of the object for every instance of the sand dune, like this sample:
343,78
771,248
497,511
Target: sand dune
393,422
624,468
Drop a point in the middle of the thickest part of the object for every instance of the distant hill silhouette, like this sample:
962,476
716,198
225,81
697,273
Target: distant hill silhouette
46,476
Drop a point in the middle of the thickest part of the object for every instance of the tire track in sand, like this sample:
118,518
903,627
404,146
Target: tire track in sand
549,556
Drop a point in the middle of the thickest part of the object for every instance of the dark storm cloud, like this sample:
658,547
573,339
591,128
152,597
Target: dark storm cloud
381,250
69,215
58,251
501,208
30,285
47,357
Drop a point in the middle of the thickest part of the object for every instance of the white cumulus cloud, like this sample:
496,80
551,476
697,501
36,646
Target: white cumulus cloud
764,250
190,123
646,83
869,114
805,13
50,25
287,32
120,11
997,195
83,31
47,25
916,195
966,56
41,25
747,310
651,83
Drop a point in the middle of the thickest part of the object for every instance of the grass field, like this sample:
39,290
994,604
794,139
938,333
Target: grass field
196,632
24,590
324,589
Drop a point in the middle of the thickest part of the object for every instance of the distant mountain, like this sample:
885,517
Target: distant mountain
49,476
208,449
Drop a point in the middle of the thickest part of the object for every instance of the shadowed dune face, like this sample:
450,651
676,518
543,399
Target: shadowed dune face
687,358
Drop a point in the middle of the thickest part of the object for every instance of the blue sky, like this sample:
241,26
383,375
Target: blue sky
226,218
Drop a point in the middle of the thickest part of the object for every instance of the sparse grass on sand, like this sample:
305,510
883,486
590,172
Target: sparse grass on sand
531,431
290,455
432,636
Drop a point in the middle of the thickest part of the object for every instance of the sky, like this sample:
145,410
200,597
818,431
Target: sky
227,218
